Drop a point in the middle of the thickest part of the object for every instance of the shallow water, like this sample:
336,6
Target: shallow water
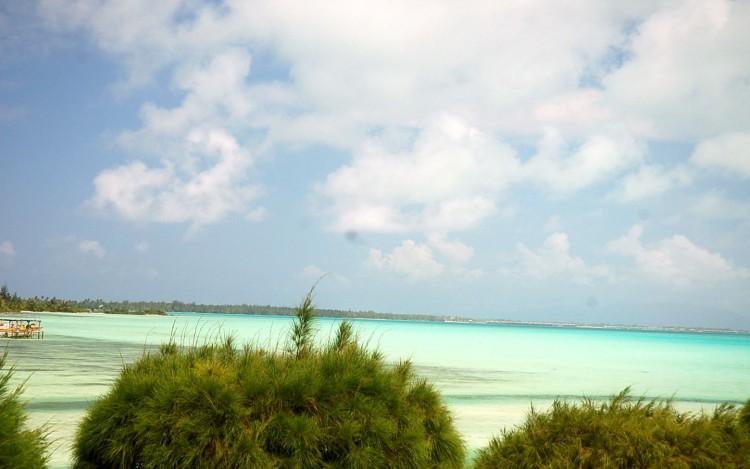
488,374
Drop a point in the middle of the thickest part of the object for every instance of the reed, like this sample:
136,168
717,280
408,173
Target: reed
20,446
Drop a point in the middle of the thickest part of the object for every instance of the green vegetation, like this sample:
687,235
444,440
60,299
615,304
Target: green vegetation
623,433
20,447
261,310
304,406
136,312
13,302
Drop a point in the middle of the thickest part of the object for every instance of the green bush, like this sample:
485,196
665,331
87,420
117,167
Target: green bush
20,447
307,406
623,433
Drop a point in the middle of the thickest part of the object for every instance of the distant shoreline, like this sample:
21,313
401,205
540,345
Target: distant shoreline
13,302
436,319
706,330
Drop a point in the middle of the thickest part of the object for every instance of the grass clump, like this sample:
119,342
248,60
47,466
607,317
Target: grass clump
623,433
20,447
304,406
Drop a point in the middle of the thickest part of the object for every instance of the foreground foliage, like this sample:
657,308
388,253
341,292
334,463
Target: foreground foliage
20,447
307,406
623,433
13,303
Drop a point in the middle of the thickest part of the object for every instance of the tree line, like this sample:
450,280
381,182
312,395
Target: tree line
12,302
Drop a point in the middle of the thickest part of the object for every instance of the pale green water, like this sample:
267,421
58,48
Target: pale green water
488,374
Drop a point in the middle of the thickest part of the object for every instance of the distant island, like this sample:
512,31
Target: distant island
13,303
258,310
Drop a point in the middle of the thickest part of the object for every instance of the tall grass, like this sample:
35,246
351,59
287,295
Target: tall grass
623,432
20,447
304,406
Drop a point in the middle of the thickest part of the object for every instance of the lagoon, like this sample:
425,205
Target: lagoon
488,374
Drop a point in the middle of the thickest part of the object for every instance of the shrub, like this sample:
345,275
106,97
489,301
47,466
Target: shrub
20,447
307,406
623,433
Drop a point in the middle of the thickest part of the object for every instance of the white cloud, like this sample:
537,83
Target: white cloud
578,77
216,97
675,261
560,168
7,249
650,181
415,261
146,37
350,65
356,70
578,109
421,262
91,247
456,251
170,194
448,180
684,70
404,61
202,175
553,259
729,152
141,247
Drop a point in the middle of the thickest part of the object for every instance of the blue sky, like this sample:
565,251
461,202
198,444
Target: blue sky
522,160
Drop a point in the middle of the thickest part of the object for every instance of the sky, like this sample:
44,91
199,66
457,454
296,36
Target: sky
530,160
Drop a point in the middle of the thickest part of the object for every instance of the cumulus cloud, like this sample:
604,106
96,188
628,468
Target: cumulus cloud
91,247
559,94
447,180
202,173
215,97
438,257
728,152
574,111
455,250
7,249
684,71
553,259
675,261
415,261
172,193
517,65
146,37
650,180
560,168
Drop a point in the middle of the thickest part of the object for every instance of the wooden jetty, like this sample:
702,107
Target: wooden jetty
21,328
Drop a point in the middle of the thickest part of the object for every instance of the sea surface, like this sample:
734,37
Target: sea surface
488,374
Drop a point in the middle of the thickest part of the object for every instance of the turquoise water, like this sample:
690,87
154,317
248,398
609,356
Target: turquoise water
488,374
